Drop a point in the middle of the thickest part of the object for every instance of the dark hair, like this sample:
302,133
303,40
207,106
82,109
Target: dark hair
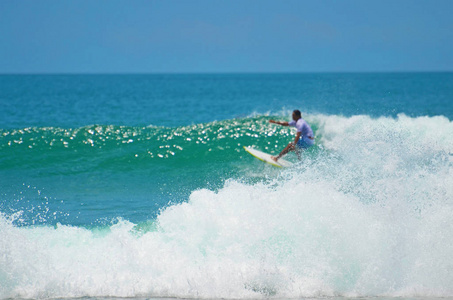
297,113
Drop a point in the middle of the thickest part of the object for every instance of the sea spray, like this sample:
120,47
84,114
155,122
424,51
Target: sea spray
243,241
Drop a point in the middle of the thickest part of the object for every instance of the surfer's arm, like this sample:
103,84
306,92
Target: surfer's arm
279,123
296,139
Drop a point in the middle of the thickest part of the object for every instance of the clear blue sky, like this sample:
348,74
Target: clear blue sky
165,36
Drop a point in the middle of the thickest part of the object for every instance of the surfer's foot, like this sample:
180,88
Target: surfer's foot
274,158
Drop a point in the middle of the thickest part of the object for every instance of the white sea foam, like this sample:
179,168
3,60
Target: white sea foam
370,214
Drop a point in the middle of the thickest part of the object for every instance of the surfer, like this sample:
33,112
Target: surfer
304,137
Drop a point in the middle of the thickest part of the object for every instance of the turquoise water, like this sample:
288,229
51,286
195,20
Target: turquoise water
138,186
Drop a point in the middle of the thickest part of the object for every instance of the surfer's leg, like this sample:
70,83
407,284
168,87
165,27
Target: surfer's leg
299,151
302,144
287,149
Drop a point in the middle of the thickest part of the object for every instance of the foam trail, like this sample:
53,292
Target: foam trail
370,215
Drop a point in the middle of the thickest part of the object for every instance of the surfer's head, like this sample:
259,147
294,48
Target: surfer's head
296,115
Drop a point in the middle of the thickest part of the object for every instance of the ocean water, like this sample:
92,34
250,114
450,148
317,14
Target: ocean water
138,186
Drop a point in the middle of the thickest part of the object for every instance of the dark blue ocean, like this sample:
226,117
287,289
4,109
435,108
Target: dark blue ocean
139,186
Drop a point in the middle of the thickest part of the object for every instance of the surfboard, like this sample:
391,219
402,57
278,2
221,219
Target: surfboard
281,163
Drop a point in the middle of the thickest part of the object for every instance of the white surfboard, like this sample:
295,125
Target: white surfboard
281,163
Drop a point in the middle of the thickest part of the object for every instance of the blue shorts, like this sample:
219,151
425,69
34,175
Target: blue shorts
305,142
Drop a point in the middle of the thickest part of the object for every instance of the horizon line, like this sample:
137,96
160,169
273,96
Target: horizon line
224,73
